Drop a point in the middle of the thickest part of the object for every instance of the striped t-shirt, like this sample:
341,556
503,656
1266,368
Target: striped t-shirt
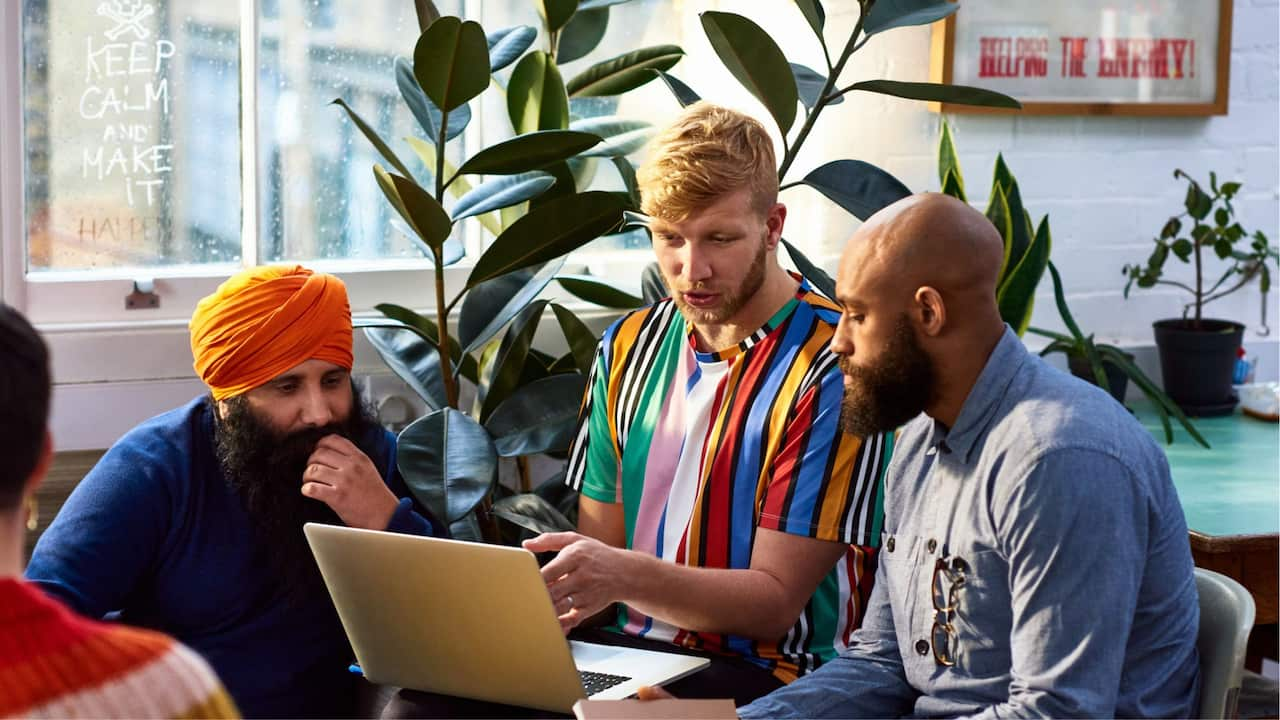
703,448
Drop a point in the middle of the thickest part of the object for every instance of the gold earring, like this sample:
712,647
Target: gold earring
33,513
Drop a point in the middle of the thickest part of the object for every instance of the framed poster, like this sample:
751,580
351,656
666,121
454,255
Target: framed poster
1089,57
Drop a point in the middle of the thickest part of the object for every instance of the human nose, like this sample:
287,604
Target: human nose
842,339
315,410
696,263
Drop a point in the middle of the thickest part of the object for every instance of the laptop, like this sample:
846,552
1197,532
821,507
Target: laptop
470,620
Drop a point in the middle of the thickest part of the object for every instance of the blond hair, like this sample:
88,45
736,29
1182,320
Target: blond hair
707,152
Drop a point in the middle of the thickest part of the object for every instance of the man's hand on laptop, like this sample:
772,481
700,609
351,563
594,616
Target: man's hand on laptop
586,577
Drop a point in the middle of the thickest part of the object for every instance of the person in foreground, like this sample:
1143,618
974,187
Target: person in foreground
54,663
721,504
1035,555
192,522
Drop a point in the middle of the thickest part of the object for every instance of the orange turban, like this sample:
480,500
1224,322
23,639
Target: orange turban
265,320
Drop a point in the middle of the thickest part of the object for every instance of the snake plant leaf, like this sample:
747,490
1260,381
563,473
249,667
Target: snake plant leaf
1021,231
373,137
424,213
489,306
412,357
451,62
599,293
1161,401
620,136
756,61
582,342
859,187
508,364
425,111
624,72
939,92
1017,295
538,417
818,278
463,364
549,231
889,14
949,164
809,83
536,98
507,44
556,13
448,462
583,33
502,192
527,152
531,512
998,214
814,15
683,93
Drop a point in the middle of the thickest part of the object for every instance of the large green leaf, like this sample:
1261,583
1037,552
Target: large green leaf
463,364
451,62
1021,232
949,163
582,342
491,305
1017,295
549,231
414,359
424,213
448,462
597,4
583,33
508,365
818,278
388,187
456,184
530,151
533,513
756,61
425,111
889,14
538,417
502,192
373,137
593,291
814,15
566,185
938,92
452,249
536,98
621,136
507,44
627,173
998,214
683,93
859,187
809,83
556,13
625,72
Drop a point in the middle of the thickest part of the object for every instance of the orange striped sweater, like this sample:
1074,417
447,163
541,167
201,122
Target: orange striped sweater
54,663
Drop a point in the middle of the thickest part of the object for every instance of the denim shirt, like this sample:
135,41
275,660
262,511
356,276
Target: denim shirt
1077,598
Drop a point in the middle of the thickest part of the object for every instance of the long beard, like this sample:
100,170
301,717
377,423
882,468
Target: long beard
264,467
884,396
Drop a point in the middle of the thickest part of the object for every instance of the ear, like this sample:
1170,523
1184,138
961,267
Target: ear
42,464
774,221
931,311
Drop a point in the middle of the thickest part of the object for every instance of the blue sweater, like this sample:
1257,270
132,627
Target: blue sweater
155,533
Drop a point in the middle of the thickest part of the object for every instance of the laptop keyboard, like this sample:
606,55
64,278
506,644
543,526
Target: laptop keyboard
594,682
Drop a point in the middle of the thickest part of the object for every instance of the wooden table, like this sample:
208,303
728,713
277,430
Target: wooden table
1231,497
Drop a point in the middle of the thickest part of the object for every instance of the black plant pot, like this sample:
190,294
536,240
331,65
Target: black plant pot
1197,363
1117,380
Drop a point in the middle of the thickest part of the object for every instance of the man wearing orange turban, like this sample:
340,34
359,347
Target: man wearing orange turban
192,522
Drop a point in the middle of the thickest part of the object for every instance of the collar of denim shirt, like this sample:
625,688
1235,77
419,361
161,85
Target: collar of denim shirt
978,411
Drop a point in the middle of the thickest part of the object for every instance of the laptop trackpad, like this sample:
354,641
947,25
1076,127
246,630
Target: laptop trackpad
644,667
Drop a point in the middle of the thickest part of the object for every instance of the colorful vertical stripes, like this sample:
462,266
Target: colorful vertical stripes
701,449
56,664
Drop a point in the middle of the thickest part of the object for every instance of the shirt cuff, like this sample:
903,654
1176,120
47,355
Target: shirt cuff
407,522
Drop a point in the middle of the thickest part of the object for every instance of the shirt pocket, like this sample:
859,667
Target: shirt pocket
901,574
983,614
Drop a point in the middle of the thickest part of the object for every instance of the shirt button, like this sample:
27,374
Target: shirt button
889,544
933,545
922,647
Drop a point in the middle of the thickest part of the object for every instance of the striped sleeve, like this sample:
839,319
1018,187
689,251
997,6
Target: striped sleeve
825,483
593,458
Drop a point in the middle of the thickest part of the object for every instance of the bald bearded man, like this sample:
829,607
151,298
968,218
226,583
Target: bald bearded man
1035,558
192,522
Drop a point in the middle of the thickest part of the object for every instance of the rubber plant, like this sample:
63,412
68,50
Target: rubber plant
533,201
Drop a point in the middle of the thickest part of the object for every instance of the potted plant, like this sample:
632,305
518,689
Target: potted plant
1106,365
1197,354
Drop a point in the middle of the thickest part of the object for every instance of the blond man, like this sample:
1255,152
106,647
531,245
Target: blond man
723,508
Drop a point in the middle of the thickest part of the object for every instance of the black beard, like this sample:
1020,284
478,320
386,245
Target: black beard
882,397
264,467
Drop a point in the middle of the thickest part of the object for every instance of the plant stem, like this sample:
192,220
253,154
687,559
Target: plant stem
1199,302
790,156
522,464
442,312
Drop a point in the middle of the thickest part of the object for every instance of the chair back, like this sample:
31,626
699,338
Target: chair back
1226,617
